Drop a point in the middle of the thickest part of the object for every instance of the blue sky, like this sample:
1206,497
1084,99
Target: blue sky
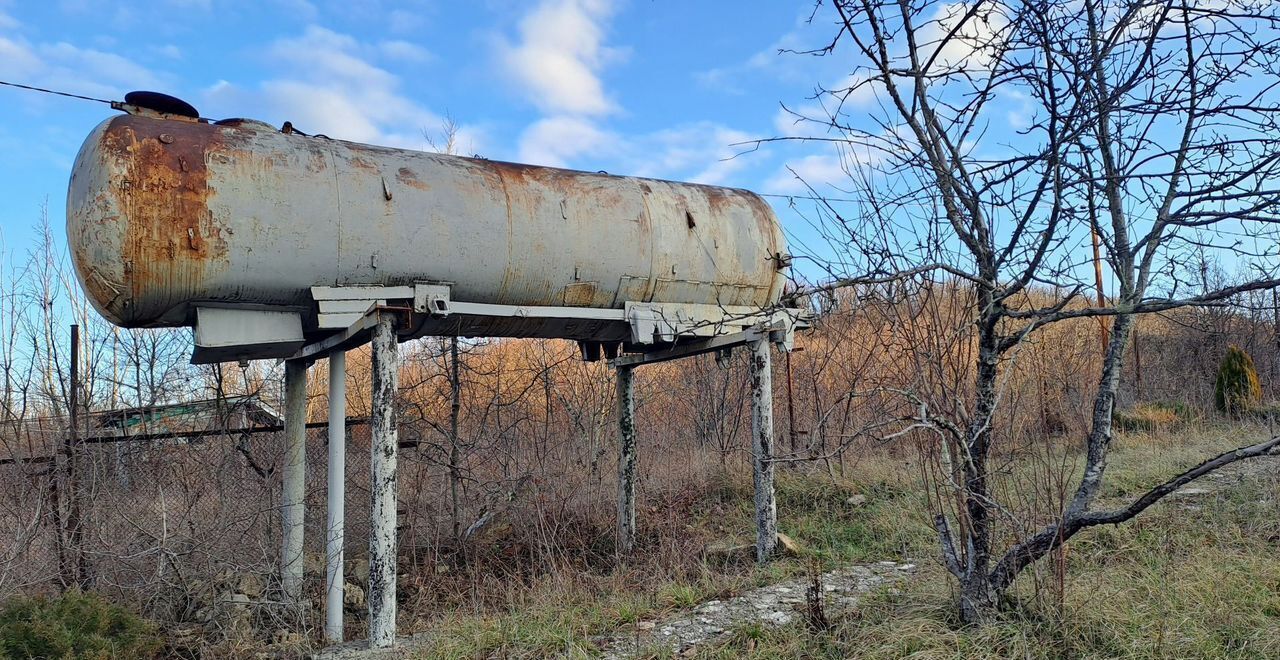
640,87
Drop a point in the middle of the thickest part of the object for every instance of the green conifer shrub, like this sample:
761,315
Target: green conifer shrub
1237,389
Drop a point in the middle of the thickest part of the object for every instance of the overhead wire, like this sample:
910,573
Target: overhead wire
55,92
808,197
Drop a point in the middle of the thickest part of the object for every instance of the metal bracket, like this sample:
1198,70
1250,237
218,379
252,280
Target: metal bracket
223,334
431,299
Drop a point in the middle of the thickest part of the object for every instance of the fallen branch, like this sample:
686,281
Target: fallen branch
1054,535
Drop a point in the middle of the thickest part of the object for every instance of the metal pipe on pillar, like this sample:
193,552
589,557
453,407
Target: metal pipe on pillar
762,448
336,495
626,460
382,485
292,508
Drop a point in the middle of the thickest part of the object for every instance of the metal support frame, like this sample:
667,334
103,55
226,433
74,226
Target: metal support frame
691,348
344,318
759,339
378,326
762,448
626,460
382,484
292,507
337,481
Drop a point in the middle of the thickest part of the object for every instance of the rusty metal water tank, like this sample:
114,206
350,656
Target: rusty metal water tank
165,213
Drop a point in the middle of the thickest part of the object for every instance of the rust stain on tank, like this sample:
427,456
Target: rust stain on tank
521,174
409,178
171,239
318,158
364,164
96,285
586,294
770,240
762,213
720,200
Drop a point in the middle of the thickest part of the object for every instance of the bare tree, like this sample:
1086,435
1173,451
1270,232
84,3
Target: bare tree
1004,136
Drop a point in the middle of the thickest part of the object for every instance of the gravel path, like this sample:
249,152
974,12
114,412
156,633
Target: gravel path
773,605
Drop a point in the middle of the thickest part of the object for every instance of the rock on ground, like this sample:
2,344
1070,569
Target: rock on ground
773,605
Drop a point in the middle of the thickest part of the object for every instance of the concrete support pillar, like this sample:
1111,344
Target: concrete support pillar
382,485
626,461
337,482
292,508
762,448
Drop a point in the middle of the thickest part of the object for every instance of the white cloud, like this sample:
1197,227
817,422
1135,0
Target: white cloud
557,63
98,64
300,10
973,46
168,51
404,51
702,152
116,15
67,67
856,90
823,171
332,89
816,170
403,21
17,58
798,122
777,61
555,141
560,54
833,104
330,55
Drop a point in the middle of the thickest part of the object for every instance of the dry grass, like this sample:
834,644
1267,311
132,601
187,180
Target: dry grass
1193,579
1189,579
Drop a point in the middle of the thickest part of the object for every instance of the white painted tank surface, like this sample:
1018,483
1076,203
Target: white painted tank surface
164,214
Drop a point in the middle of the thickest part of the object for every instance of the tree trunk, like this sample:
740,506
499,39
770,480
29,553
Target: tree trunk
1099,442
977,599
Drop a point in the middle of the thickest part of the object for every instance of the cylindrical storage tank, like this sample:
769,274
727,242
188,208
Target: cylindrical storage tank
164,213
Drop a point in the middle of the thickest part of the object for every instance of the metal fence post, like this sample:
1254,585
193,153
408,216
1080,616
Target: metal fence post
336,494
292,508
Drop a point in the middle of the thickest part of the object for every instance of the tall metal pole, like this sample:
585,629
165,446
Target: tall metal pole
762,448
292,508
79,569
626,460
337,494
382,484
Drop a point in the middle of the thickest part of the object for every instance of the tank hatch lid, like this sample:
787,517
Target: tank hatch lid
142,102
